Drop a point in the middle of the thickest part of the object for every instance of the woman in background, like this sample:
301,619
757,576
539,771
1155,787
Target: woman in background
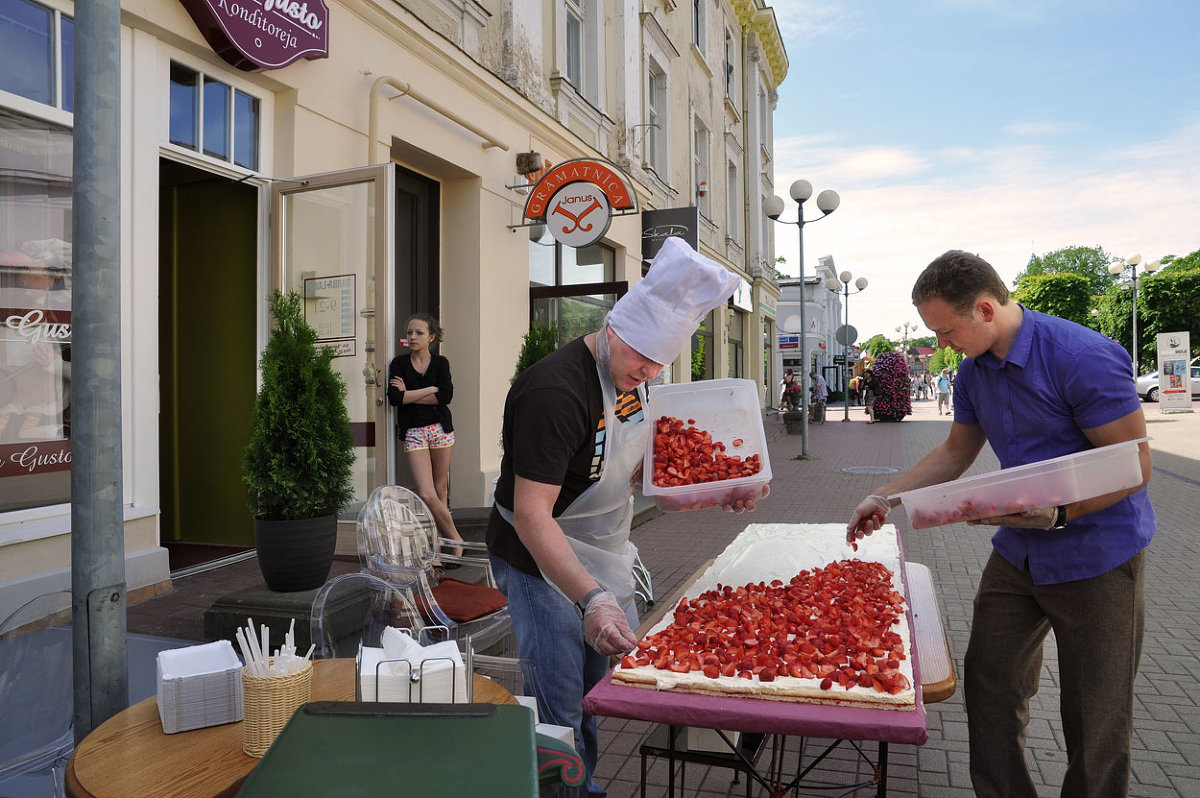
420,388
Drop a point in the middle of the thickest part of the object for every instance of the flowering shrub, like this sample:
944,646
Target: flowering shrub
894,401
792,394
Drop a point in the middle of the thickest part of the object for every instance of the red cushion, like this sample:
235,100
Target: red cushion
464,601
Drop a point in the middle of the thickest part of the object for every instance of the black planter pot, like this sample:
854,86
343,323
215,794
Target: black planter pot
295,555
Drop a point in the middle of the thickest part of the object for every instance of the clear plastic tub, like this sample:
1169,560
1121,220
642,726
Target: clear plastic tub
727,409
1048,483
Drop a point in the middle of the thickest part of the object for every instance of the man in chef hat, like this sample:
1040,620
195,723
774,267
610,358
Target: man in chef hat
575,430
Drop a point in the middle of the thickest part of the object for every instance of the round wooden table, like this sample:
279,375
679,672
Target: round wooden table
130,755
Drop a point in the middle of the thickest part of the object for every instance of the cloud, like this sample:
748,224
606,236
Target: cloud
903,207
1039,129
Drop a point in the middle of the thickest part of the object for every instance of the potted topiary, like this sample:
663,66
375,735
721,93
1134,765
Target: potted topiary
297,466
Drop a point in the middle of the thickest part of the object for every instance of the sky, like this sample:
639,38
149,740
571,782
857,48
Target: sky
1001,128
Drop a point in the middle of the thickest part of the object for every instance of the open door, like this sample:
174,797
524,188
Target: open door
333,243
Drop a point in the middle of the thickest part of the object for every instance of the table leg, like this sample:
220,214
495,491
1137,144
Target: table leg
881,768
671,762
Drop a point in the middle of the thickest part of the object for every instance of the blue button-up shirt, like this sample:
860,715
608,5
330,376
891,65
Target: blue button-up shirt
1058,379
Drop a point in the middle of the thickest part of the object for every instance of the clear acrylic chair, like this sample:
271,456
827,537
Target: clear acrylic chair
36,690
398,542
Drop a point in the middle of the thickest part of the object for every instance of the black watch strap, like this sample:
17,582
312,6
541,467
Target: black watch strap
1060,517
582,605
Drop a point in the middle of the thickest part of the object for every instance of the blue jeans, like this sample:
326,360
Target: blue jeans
558,666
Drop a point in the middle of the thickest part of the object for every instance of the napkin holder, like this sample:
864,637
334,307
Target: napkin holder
402,670
431,680
199,686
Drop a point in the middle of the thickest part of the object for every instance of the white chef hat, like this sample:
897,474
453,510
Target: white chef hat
659,314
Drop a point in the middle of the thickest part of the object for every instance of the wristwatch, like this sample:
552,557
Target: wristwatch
582,605
1060,517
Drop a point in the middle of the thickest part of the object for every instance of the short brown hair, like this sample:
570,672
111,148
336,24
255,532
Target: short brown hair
958,278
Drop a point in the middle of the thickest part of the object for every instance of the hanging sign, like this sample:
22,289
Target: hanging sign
262,34
659,225
1174,379
576,200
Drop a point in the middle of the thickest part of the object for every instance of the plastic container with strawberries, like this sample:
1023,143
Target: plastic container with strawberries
728,411
1048,483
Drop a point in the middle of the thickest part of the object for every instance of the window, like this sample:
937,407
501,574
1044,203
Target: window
574,44
730,60
698,24
214,118
35,286
37,53
737,323
571,288
656,106
733,227
700,167
581,53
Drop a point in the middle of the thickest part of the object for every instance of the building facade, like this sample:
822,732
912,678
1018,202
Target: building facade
387,175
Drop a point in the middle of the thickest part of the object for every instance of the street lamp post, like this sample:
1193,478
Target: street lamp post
842,285
903,330
827,202
1118,268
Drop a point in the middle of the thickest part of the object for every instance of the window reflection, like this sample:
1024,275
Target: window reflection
216,119
185,107
35,328
27,43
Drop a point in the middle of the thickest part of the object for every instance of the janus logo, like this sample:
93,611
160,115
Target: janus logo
578,214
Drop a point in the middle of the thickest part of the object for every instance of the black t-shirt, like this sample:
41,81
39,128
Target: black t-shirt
552,417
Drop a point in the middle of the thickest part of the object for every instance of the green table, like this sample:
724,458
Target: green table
367,749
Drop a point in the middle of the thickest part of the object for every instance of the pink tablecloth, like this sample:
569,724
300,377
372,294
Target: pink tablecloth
760,715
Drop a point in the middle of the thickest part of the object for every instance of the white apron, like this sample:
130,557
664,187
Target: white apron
597,522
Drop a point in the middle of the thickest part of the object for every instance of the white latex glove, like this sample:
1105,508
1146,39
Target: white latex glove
869,516
1042,518
605,627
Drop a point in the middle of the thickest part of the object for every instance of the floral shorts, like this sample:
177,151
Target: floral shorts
431,437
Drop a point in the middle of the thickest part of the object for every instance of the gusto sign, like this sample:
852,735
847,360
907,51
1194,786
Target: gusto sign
576,199
262,34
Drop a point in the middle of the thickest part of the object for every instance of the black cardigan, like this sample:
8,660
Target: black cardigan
421,415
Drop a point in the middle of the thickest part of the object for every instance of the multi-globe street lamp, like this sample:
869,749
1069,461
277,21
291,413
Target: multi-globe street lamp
842,285
1117,269
903,330
827,202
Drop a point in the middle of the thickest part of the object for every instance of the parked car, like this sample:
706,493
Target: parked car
1147,385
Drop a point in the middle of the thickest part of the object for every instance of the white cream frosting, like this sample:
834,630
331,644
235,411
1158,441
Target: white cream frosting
763,552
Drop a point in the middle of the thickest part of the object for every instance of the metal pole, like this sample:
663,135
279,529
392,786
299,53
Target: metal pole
846,355
803,337
1134,353
97,524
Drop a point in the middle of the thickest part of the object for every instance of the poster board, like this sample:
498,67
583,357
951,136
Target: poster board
1174,378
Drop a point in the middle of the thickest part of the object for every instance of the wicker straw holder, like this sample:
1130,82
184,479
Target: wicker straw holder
268,704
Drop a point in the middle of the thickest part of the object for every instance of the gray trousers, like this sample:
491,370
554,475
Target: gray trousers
1098,625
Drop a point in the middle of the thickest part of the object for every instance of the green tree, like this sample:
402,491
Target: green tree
1167,302
1062,294
944,358
539,341
877,345
780,261
1090,262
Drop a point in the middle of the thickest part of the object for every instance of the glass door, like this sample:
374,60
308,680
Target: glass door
333,244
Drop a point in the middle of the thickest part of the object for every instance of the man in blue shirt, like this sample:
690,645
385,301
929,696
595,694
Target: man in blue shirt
1036,387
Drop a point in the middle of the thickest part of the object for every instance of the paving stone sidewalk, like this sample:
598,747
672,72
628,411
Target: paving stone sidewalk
1166,746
